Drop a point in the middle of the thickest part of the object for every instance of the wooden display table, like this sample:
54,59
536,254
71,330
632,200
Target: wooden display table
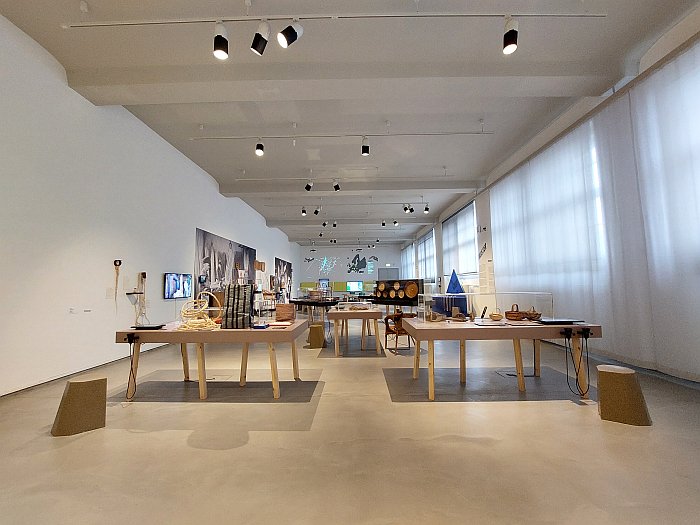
345,315
462,332
315,304
246,336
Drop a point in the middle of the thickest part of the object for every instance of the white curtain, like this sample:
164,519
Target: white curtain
666,120
408,263
608,219
459,243
425,248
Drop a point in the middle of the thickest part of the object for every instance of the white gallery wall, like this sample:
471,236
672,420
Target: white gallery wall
82,186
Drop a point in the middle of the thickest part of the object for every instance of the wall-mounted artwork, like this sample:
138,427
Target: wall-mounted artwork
219,261
283,274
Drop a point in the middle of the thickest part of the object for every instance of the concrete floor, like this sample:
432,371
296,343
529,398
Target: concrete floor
344,453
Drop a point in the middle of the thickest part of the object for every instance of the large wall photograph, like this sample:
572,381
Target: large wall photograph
283,274
219,261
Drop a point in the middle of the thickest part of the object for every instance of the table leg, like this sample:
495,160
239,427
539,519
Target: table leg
131,389
273,370
536,357
185,361
364,329
295,360
578,361
336,337
519,364
347,332
369,328
376,337
202,371
463,362
244,364
416,360
431,370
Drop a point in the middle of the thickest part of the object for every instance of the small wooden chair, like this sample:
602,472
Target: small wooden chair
393,325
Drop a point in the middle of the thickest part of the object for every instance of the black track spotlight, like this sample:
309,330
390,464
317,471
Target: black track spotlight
426,210
365,147
320,234
324,223
383,224
303,212
396,223
260,149
336,186
309,185
410,209
335,224
377,241
405,208
260,39
510,36
290,34
220,41
317,211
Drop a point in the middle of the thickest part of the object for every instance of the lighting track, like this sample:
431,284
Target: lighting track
344,136
356,16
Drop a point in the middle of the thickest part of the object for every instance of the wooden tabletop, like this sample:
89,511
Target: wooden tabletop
170,334
456,331
372,313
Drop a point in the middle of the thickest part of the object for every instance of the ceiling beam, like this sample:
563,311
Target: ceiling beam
137,86
295,188
312,222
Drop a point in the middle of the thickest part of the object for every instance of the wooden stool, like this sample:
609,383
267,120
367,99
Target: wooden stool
83,407
620,397
317,337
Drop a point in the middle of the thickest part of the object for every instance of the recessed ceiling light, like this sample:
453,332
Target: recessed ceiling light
365,147
260,149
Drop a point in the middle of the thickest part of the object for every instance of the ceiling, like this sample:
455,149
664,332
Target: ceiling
442,105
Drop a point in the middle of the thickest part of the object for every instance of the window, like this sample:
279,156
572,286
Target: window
426,257
408,262
459,242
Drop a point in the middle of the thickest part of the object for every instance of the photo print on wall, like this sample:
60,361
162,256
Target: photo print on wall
283,274
219,261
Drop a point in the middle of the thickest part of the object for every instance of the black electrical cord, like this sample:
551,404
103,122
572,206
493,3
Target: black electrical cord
568,348
131,338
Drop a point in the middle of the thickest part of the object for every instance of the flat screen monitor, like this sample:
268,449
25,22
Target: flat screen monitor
354,286
323,284
178,286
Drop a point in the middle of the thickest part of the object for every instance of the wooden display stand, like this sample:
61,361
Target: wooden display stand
317,338
620,397
83,407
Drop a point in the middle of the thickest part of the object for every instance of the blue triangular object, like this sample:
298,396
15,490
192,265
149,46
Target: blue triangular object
455,286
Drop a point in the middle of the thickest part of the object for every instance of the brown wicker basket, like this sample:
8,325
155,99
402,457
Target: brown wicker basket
514,314
533,314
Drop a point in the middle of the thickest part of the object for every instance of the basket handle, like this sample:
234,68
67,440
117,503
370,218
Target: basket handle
514,307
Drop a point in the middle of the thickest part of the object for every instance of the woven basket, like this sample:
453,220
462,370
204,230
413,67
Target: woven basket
285,312
533,314
514,314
